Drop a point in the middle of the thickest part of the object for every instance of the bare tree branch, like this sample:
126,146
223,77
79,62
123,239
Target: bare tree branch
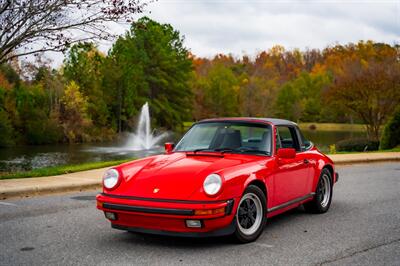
57,23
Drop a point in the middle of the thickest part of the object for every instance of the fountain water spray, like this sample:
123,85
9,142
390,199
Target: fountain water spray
144,138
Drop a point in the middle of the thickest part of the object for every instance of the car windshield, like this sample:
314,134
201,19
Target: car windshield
229,137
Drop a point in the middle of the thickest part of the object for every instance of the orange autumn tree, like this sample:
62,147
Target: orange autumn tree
366,81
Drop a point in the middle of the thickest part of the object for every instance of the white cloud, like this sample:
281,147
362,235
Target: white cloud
237,26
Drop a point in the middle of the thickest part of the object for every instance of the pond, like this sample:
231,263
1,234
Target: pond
33,157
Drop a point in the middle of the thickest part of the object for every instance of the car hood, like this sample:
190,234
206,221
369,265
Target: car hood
174,176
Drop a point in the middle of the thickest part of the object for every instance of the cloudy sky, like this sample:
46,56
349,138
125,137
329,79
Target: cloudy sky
249,26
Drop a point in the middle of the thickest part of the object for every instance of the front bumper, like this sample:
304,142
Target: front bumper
168,217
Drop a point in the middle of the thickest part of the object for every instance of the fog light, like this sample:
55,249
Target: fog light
111,215
193,223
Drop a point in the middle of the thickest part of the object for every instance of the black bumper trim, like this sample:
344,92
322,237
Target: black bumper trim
229,206
163,200
119,207
220,232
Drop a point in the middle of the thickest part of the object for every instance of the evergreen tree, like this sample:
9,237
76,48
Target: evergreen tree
154,66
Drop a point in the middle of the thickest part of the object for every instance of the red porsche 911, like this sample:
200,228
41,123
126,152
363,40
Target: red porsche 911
226,176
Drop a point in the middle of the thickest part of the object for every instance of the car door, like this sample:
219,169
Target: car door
291,175
309,158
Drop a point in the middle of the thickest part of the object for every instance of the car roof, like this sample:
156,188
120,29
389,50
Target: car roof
274,121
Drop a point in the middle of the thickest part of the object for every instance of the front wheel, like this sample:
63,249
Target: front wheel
250,216
323,194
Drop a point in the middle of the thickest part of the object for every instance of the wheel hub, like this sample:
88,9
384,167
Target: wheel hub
249,215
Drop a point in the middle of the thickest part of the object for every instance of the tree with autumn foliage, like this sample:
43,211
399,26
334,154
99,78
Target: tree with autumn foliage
84,65
74,117
95,95
366,81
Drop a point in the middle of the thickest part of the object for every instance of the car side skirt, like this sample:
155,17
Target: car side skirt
292,202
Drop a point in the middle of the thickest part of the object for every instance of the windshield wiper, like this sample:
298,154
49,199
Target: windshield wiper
203,149
223,150
241,150
255,151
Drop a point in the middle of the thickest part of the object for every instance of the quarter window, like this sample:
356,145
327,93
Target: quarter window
286,138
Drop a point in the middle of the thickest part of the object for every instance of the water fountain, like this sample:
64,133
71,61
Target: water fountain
144,138
141,143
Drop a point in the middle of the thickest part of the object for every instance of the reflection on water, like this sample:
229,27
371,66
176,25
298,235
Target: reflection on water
33,157
322,139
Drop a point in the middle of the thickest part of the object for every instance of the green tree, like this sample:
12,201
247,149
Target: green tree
300,99
155,66
366,82
221,92
85,65
36,124
391,133
6,128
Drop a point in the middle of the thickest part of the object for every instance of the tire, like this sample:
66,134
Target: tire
250,217
323,194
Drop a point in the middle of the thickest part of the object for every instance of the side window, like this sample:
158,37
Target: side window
287,138
305,144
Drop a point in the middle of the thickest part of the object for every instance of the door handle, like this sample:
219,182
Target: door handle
306,161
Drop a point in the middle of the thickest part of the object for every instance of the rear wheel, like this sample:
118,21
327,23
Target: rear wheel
250,216
323,194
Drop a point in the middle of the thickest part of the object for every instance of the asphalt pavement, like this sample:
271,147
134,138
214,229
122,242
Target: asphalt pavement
362,227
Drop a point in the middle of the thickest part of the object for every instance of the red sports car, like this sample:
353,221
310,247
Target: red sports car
226,176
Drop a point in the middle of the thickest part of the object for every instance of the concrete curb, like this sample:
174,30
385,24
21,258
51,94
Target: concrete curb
340,159
40,190
91,180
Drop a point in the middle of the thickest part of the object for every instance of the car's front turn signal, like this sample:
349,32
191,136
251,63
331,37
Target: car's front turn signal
209,211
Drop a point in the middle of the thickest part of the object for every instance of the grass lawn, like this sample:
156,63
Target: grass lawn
63,169
333,127
397,149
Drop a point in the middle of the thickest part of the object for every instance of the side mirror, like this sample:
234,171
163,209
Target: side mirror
286,153
169,147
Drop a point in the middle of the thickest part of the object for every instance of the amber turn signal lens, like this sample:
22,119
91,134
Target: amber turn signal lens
100,204
209,212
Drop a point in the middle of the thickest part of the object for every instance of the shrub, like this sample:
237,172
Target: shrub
391,133
332,149
359,144
43,132
312,127
6,130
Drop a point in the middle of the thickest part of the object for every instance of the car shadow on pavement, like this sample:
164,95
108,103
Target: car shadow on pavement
187,243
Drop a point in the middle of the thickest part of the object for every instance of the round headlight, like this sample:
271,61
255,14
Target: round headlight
212,184
110,178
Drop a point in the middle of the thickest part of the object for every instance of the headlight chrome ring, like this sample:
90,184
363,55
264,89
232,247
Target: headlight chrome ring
212,184
111,178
